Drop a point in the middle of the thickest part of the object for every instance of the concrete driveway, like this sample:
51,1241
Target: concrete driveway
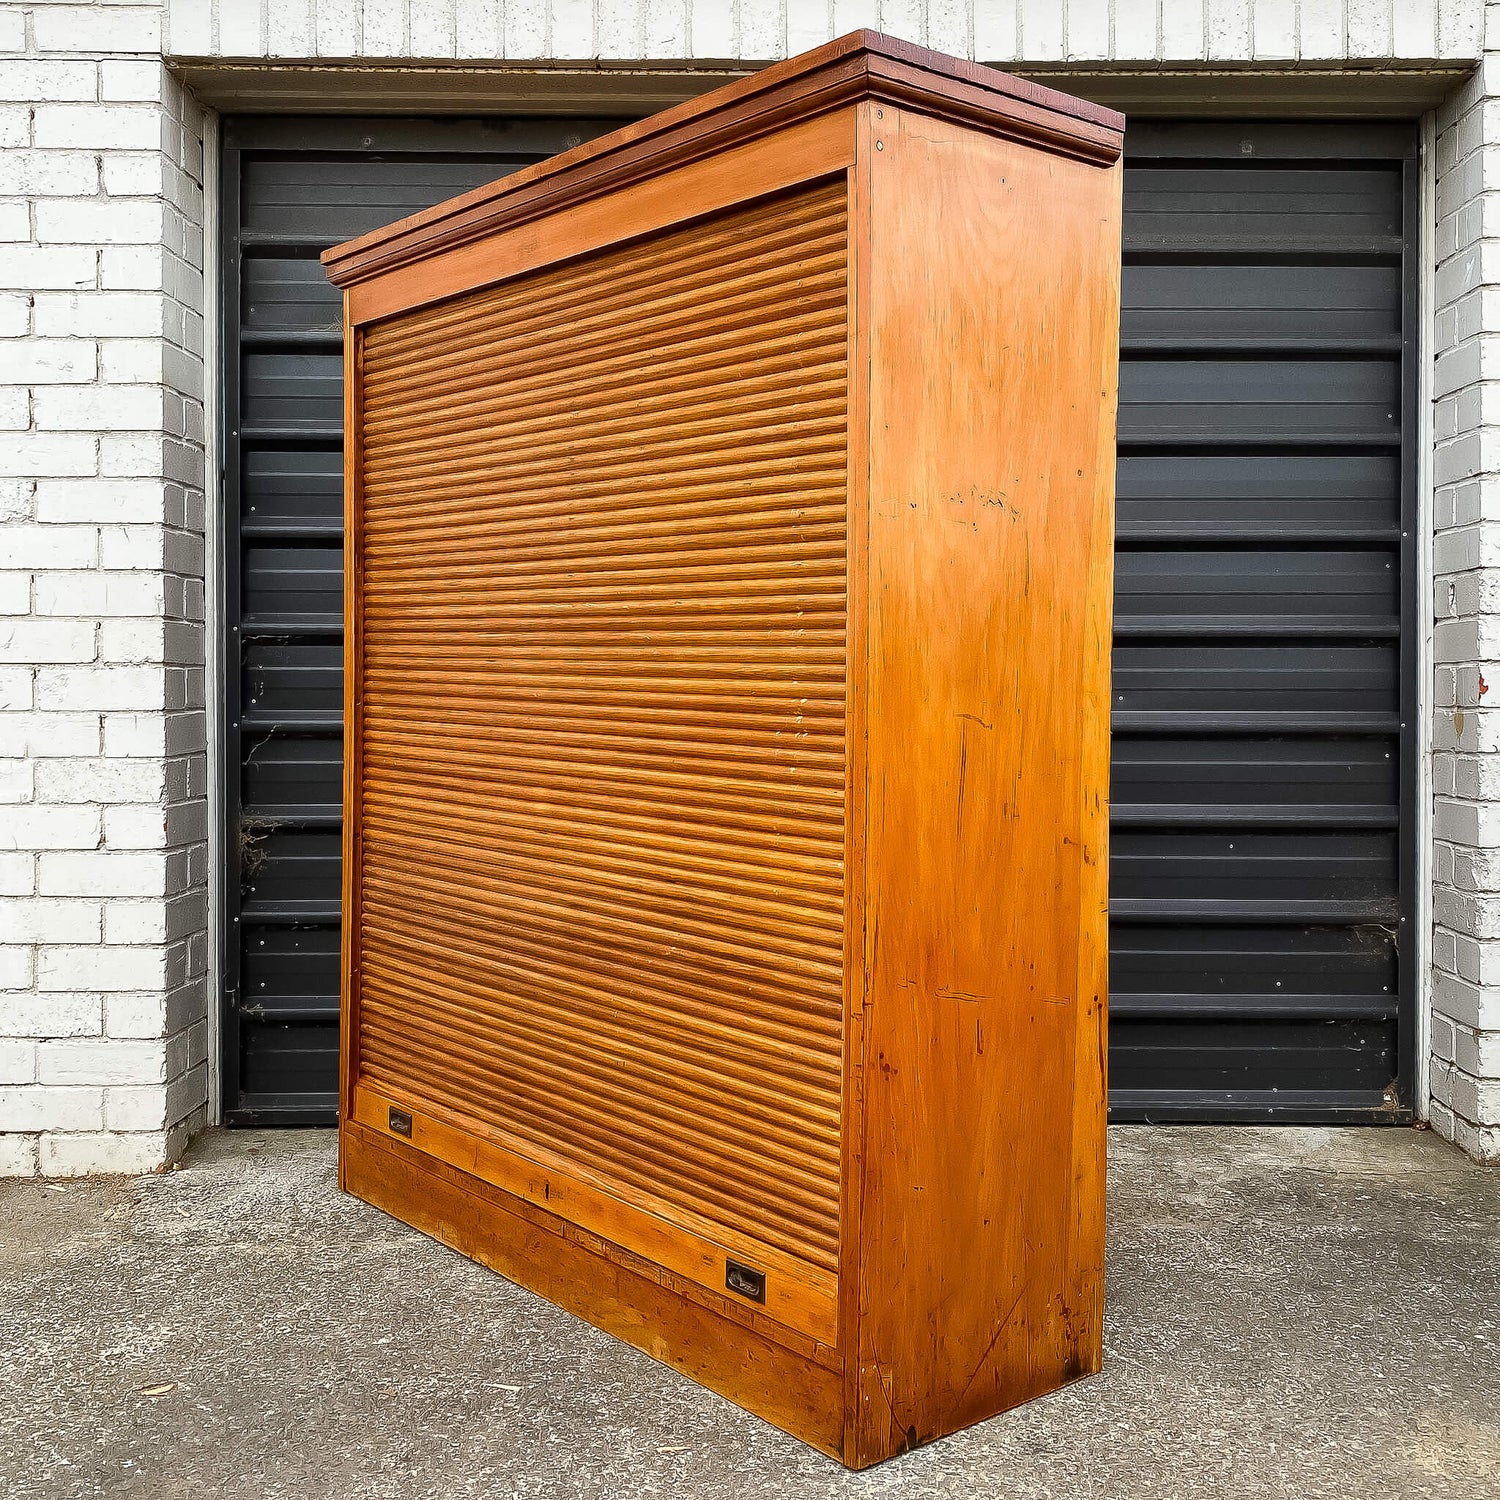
1299,1313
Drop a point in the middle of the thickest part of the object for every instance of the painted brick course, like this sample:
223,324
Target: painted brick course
103,817
1036,31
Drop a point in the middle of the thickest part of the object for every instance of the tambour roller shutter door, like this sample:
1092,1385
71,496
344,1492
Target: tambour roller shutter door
602,772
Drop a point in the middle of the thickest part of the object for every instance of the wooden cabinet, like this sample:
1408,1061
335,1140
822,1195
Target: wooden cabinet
728,587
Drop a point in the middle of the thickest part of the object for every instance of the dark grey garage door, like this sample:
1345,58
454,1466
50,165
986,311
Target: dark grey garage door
1262,820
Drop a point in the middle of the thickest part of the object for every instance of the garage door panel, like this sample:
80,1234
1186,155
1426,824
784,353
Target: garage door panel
295,388
1325,588
284,679
1262,872
295,1062
1258,970
1261,771
290,773
1323,682
1191,496
292,492
1236,305
292,971
1261,698
299,583
288,869
281,294
1337,1061
334,198
1259,401
1245,780
1191,207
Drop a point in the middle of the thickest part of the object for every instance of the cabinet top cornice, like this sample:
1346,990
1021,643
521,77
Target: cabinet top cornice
862,65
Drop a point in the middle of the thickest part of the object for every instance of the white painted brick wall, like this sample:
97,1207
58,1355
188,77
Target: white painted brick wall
1465,1021
1466,862
102,817
102,912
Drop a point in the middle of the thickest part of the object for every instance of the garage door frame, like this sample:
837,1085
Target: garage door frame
1395,140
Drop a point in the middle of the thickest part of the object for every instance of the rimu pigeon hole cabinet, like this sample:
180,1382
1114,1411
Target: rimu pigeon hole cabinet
728,583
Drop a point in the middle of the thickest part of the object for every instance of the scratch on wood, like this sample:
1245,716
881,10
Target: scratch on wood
881,1380
963,772
989,1348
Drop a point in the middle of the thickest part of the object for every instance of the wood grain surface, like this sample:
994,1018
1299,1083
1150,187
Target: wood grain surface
809,149
992,290
797,1296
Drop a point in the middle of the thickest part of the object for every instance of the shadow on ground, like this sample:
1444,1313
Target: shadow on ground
1299,1313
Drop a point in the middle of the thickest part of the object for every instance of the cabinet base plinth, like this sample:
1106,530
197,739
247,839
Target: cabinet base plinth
798,1389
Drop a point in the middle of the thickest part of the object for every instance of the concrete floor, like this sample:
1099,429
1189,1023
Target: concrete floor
1300,1313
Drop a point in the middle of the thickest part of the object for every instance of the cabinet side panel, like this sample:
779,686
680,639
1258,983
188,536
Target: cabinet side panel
1084,1271
993,307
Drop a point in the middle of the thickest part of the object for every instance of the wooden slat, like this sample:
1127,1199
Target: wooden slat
602,705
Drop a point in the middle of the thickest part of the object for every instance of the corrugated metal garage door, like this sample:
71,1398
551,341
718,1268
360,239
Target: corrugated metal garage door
1262,821
1263,836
